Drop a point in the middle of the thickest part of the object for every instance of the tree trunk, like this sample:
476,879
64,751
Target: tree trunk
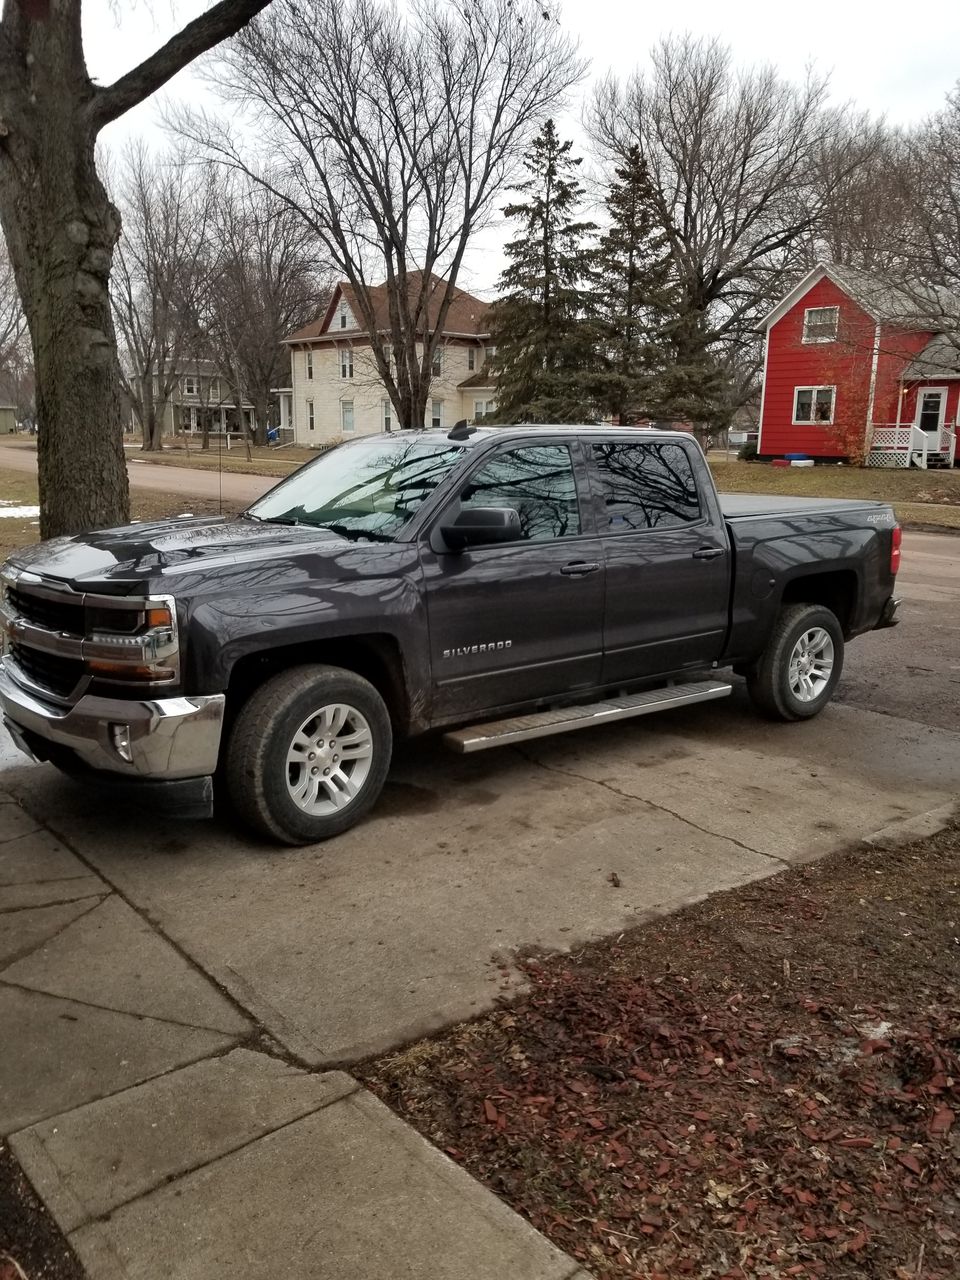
261,411
61,231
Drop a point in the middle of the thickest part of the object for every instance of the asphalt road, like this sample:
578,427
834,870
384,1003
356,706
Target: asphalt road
913,670
163,479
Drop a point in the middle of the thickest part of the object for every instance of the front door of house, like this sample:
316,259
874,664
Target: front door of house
931,411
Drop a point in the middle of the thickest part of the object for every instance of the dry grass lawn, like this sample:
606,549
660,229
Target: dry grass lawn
21,490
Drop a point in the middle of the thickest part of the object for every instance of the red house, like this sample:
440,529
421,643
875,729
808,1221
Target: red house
854,370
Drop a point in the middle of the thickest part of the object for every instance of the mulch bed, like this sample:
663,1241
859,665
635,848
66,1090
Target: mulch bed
763,1085
31,1245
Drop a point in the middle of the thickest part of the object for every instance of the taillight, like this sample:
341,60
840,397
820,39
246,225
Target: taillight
895,549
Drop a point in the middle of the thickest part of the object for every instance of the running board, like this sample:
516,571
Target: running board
543,724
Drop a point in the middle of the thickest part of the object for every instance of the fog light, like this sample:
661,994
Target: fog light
120,738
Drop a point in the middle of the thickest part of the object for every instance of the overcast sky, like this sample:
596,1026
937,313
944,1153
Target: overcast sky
877,54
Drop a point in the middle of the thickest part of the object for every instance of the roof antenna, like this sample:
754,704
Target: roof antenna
461,430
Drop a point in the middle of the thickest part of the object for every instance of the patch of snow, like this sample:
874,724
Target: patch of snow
17,513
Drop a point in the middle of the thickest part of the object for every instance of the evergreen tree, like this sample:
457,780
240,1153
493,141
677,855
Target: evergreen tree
544,335
634,295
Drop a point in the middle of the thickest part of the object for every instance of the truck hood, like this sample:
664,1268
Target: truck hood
122,559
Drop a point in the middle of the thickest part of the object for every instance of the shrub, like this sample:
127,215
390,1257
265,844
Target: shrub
747,452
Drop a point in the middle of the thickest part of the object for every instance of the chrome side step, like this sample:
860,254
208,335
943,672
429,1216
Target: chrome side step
542,724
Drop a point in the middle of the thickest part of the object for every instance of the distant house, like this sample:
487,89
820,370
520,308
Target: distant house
338,392
856,367
200,392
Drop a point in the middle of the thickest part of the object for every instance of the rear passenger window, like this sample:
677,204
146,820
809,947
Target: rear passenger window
645,486
538,482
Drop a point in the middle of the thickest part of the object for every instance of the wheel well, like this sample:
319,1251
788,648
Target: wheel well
836,591
375,657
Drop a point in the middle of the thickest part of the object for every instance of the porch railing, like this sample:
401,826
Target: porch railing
905,445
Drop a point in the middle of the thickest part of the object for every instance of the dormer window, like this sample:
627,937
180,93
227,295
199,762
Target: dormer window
820,324
343,315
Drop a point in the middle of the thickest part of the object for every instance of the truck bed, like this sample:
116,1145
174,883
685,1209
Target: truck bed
743,506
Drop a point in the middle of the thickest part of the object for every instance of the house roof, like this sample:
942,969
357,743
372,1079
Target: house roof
482,379
915,306
940,358
467,317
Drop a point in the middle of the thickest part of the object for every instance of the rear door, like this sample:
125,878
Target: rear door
666,555
518,621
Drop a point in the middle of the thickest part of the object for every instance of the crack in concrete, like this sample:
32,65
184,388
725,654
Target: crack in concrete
221,1155
627,795
123,1013
10,961
99,894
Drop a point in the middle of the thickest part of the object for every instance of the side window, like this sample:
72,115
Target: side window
645,486
538,482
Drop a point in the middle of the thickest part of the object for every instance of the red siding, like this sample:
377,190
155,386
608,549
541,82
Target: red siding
897,349
845,364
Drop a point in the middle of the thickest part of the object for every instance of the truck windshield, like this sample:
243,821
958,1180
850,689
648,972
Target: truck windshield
367,489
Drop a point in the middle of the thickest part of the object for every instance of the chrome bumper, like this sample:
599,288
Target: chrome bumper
165,738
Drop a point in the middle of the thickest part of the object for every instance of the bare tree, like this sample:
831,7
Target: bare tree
61,230
731,155
16,368
391,134
271,281
162,269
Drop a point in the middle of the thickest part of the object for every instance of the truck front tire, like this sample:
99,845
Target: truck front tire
796,674
308,754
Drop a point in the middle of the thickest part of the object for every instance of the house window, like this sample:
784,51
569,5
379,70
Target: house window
387,410
346,362
436,414
190,385
813,404
309,359
483,409
343,315
386,355
820,324
346,417
193,417
471,358
311,420
437,365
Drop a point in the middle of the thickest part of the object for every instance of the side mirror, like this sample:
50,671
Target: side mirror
480,526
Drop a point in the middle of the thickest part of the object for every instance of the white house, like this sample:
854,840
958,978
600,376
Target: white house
338,392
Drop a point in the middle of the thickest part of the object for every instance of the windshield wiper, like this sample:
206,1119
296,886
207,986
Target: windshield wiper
353,534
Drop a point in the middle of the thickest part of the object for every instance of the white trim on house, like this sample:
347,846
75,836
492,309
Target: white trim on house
873,379
793,297
763,387
814,421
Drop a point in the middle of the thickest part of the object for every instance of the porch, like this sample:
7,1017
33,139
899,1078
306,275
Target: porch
910,446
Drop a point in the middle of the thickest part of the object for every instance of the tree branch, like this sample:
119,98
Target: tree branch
220,22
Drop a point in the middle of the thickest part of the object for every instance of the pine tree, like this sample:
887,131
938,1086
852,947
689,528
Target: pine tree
634,295
544,334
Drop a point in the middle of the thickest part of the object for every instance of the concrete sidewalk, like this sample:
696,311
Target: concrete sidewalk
169,1136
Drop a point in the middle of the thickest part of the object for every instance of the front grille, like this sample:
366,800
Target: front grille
55,615
60,675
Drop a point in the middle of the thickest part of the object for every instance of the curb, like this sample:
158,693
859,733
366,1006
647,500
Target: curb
918,827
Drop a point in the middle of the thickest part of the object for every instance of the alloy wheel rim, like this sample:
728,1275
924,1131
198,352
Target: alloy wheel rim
329,760
811,664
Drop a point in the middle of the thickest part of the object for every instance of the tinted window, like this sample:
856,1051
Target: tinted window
537,482
645,486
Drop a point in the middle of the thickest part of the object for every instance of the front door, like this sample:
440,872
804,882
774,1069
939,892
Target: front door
931,411
667,561
518,621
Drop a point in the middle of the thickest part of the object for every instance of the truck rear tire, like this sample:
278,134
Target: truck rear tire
308,754
796,674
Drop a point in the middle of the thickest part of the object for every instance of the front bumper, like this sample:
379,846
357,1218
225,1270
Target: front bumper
164,738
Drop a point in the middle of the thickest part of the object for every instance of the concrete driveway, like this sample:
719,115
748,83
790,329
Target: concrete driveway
409,922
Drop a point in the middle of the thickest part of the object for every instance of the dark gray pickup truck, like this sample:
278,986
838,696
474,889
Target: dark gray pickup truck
516,581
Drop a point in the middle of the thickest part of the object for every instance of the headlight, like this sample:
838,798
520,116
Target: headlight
136,640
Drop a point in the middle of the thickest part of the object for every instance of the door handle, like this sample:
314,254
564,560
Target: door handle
708,553
579,568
